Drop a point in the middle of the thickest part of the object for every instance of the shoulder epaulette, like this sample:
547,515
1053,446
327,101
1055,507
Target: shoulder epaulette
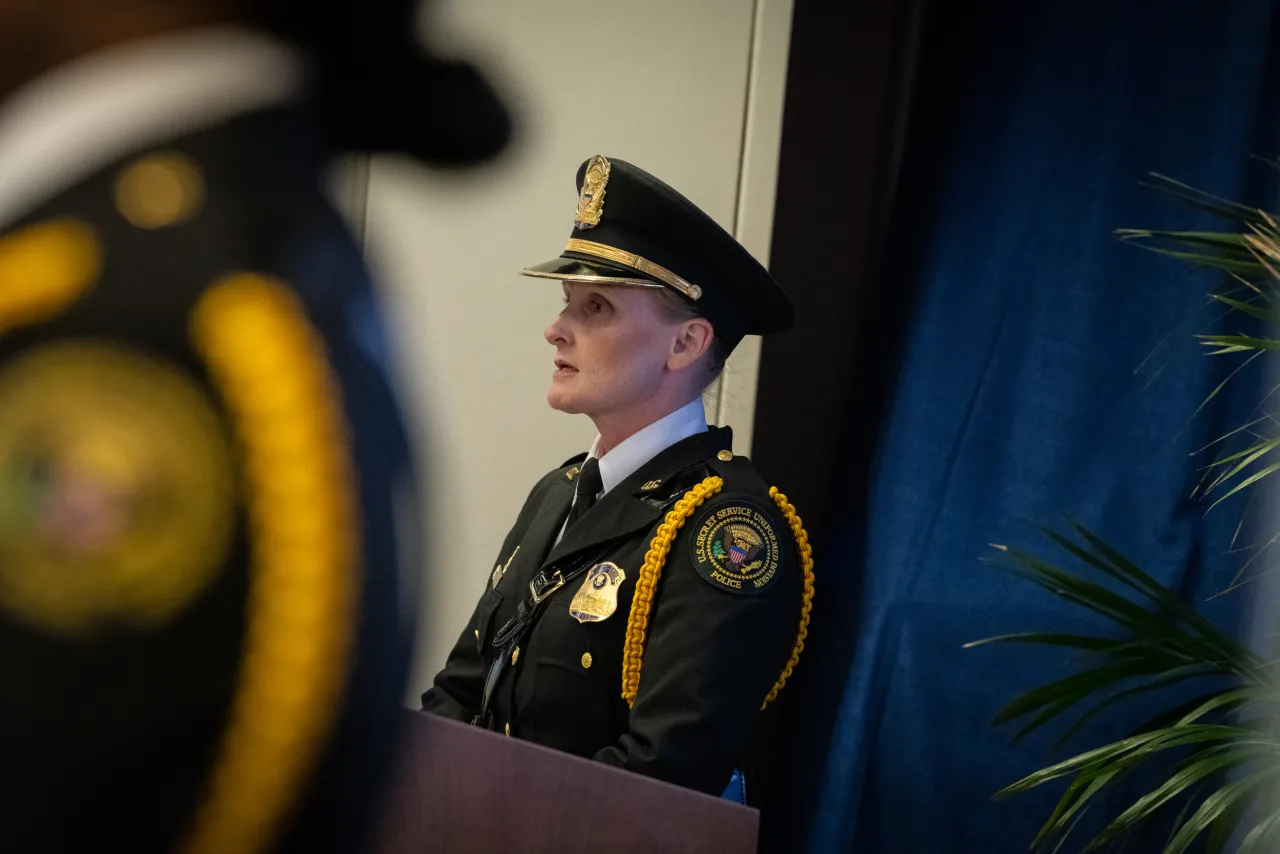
573,461
571,468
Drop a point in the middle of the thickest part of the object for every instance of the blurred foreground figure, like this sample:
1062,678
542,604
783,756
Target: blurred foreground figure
206,497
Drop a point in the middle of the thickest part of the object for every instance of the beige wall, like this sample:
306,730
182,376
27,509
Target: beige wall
688,89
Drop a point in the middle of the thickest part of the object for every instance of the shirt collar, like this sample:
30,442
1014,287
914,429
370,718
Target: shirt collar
78,118
640,447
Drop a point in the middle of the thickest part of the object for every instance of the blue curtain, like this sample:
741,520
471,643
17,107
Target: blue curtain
1046,369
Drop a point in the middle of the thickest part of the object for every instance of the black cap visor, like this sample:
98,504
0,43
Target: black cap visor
575,269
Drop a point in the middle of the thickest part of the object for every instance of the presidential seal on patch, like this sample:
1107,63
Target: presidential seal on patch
117,492
736,549
597,598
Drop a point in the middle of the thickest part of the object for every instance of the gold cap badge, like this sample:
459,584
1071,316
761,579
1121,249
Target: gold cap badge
591,196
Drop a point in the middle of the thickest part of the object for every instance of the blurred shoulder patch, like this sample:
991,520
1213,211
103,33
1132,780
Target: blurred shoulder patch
117,498
735,547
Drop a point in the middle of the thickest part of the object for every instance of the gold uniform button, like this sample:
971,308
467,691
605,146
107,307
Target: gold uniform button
160,190
725,456
515,655
586,659
477,634
507,728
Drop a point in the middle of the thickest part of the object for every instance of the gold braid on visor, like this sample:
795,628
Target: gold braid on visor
630,259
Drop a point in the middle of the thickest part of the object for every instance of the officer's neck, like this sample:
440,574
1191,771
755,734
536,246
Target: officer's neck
617,426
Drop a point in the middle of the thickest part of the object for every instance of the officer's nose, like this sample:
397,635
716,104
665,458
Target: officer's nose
557,333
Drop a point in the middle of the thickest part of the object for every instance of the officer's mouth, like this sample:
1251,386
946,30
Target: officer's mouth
564,369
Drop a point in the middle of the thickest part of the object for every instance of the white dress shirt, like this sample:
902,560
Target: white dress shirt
640,447
76,119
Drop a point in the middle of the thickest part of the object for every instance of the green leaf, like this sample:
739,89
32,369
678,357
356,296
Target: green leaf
1168,718
1269,315
1085,642
1169,601
1076,798
1221,830
1067,832
1238,343
1216,804
1048,713
1248,481
1112,562
1216,205
1228,243
1095,597
1266,830
1165,679
1238,266
1098,755
1135,748
1194,772
1243,428
1187,803
1273,162
1206,646
1253,452
1076,686
1226,700
1243,460
1227,379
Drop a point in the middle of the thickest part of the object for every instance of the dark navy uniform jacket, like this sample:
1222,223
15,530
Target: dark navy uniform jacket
719,631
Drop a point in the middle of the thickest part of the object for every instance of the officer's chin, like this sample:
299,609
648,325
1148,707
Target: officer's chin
563,400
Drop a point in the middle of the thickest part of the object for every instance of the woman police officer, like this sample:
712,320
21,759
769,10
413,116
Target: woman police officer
653,593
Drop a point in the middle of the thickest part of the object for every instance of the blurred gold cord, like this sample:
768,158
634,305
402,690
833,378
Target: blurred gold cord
269,365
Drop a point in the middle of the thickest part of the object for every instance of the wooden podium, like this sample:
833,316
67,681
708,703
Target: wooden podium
461,789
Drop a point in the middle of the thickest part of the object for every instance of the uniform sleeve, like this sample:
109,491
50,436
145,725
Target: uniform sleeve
457,689
713,652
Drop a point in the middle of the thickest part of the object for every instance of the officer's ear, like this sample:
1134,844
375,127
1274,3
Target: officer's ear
690,342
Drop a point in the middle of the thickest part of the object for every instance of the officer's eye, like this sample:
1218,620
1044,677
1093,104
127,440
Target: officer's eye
596,306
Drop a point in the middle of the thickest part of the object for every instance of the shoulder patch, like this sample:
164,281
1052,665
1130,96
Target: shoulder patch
119,498
735,546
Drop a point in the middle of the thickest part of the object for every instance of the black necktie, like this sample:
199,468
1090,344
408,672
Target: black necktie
589,486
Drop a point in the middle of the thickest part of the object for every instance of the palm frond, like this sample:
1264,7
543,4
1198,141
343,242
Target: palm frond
1267,315
1199,199
1225,777
1160,642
